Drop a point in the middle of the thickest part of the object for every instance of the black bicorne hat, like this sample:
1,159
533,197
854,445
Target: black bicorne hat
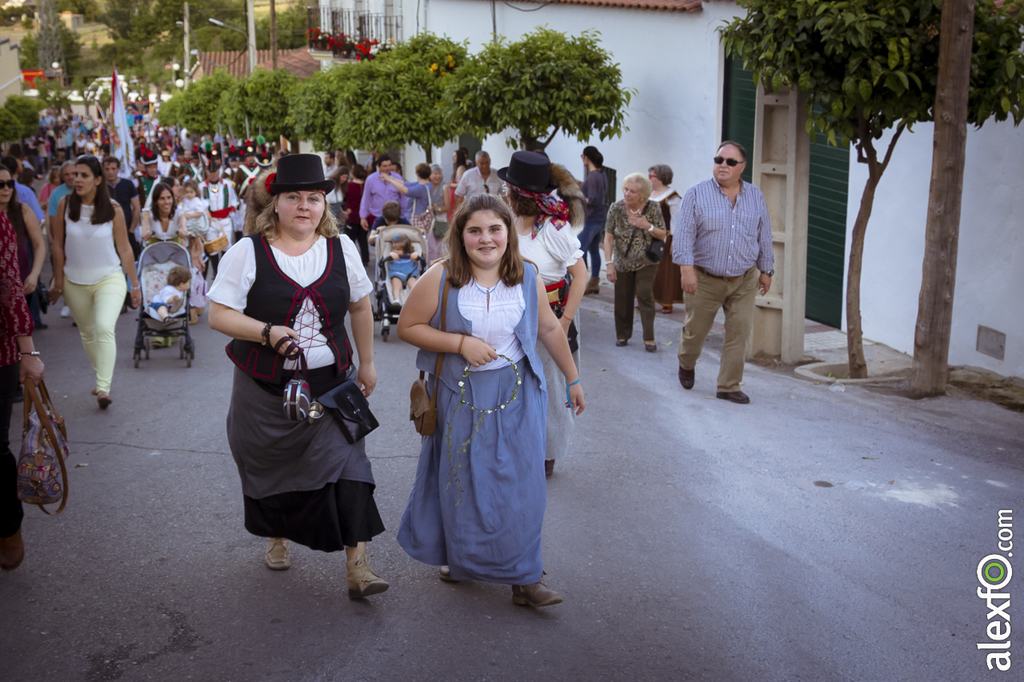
300,172
530,171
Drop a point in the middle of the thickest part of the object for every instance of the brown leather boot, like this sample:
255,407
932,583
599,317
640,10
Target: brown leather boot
535,595
12,551
593,286
362,581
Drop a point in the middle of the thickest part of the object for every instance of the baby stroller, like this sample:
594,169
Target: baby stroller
155,261
388,308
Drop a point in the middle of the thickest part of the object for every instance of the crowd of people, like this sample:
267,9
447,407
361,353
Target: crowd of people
284,239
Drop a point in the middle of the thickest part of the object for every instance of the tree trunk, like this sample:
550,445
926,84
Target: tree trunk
938,277
854,330
429,151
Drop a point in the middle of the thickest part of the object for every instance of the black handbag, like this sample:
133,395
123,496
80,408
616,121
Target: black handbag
655,250
351,410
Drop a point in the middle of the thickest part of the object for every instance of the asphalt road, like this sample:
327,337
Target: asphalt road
811,535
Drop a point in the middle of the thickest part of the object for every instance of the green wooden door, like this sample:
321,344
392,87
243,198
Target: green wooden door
826,219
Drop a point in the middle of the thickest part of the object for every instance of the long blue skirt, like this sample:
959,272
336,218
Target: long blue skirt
481,512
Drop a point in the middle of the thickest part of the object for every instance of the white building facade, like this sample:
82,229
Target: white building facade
669,52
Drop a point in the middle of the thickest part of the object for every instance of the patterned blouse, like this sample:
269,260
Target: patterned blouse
629,246
15,319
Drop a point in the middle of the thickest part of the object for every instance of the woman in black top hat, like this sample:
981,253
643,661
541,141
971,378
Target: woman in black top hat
288,285
547,203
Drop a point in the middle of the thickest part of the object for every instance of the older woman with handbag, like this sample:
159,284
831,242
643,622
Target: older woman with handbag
633,227
284,291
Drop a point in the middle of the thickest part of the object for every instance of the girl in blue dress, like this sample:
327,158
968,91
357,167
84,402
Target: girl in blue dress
477,505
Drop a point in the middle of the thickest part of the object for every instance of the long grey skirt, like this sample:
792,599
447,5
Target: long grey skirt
301,481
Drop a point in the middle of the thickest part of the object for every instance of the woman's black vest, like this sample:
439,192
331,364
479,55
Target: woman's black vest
274,297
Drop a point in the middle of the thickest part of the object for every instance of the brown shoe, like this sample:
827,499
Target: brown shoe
549,468
535,595
362,581
12,551
276,557
445,574
738,397
103,399
593,286
686,377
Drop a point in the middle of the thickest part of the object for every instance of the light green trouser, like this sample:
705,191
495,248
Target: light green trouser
736,296
96,308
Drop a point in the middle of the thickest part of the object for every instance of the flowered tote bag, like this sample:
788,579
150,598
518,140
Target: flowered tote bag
42,472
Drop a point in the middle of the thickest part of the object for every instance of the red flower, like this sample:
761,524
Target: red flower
266,183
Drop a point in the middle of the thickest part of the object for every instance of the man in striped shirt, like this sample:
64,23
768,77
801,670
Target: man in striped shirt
722,243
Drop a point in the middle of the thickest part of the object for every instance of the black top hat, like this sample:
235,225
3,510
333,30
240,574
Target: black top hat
530,171
300,172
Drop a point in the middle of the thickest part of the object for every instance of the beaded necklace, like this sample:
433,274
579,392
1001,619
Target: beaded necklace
454,466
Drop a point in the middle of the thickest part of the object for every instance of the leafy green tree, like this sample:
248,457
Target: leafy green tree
314,107
398,98
25,112
540,85
868,66
70,42
264,98
170,112
53,95
202,109
10,128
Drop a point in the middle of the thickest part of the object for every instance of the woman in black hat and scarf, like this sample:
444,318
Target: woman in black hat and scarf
544,223
288,285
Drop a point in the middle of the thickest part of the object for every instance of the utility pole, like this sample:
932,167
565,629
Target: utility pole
188,55
942,228
252,35
273,36
51,52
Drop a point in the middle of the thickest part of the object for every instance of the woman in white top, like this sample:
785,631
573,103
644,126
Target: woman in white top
163,221
544,225
284,291
90,249
668,288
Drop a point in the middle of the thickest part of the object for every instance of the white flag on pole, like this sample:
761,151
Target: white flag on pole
120,132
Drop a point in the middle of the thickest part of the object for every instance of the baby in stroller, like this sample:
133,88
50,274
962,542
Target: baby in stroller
171,298
404,266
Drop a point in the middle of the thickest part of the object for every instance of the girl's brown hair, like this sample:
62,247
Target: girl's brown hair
459,266
192,185
402,244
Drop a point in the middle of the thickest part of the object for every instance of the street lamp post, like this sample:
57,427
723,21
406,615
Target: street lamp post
250,37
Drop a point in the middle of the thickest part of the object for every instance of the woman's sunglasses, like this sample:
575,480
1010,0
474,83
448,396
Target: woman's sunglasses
719,160
9,184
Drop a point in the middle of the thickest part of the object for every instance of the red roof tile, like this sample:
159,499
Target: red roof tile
236,63
662,5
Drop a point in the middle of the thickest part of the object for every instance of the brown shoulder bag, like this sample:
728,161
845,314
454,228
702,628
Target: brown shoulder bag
423,406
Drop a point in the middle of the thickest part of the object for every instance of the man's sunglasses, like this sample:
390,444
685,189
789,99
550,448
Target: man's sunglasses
732,163
9,184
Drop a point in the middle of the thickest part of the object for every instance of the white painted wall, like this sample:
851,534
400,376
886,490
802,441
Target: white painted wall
672,59
990,262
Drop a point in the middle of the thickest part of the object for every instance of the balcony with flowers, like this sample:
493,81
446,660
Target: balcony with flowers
345,35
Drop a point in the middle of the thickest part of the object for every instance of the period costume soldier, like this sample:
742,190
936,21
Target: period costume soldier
220,197
151,173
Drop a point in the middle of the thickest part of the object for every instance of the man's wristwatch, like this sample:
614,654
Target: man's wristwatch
770,273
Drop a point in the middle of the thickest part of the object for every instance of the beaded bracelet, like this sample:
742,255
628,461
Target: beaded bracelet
567,398
265,334
461,341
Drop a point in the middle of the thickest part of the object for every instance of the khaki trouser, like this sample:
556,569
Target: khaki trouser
95,308
736,296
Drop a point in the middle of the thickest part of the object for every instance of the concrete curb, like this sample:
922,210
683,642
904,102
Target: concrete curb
819,371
